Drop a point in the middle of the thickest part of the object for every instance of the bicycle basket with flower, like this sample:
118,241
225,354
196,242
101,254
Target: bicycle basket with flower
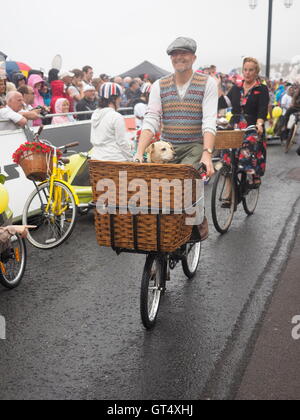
35,159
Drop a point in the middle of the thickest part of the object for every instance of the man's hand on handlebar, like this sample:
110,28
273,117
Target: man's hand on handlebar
207,160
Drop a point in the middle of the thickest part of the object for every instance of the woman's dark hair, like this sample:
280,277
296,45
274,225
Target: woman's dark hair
17,77
38,72
104,103
53,75
296,99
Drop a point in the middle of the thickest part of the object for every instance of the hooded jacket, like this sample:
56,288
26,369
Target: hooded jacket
33,80
109,136
58,91
58,110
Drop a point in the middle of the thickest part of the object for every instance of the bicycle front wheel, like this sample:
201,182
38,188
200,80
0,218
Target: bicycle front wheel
13,263
153,287
55,215
191,259
223,200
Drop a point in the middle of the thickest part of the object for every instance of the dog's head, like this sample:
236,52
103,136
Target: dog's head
161,152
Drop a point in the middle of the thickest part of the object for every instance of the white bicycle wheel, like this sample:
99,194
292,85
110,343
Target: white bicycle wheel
55,225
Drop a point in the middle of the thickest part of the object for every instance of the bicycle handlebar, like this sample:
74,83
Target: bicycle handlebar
65,147
68,146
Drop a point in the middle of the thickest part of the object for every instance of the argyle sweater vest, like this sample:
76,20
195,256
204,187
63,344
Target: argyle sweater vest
182,119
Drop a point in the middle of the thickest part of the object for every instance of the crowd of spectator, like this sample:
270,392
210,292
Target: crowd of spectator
77,91
62,92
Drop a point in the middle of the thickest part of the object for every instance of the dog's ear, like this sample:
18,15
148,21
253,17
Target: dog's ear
150,148
171,146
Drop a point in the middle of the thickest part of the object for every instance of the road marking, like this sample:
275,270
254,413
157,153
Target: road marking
2,328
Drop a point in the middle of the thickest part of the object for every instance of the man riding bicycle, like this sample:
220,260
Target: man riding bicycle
186,104
184,107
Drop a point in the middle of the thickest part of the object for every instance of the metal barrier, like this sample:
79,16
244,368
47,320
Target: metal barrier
127,112
58,115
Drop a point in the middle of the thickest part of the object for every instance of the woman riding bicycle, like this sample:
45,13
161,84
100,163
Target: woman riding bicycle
249,101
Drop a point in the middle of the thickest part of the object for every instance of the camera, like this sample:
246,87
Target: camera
43,112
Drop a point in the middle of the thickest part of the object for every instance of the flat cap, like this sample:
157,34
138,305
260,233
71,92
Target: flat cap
182,43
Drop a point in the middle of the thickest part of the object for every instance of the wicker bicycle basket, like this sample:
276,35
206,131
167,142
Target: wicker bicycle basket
142,232
231,139
36,166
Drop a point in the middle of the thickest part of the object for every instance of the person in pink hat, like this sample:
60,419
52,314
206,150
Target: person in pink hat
36,82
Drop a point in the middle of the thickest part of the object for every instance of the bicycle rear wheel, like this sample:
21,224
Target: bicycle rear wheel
153,287
55,225
13,263
191,259
223,200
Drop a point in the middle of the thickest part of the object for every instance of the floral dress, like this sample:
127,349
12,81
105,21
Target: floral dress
252,156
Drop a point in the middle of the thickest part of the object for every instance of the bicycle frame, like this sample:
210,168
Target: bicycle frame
58,174
238,185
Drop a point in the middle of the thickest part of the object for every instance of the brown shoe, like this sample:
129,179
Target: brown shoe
200,232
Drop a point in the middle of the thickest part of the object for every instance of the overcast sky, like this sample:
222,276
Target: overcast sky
116,35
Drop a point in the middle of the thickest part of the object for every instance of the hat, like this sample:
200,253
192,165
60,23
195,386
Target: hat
182,43
64,74
87,88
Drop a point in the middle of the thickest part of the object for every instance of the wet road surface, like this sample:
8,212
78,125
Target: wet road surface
74,329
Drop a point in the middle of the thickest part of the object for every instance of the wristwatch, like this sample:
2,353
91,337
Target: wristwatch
210,151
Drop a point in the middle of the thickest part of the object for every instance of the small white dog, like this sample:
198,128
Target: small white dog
160,152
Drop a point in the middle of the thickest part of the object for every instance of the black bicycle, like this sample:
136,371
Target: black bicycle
231,186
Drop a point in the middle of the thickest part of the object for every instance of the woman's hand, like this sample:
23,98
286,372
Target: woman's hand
260,129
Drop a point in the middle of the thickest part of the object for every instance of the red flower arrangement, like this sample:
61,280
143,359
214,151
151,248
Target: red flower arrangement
32,147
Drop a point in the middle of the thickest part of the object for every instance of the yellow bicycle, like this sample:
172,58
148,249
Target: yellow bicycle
53,205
